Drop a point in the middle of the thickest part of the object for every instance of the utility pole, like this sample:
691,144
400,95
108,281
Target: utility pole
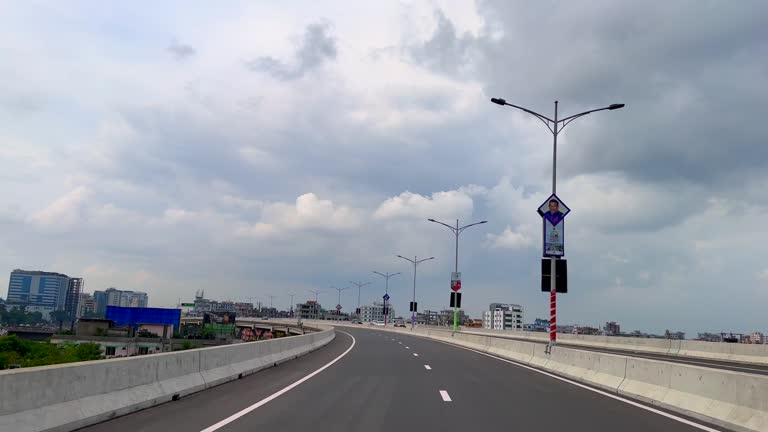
290,310
386,290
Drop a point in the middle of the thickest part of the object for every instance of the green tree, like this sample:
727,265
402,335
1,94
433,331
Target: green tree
60,317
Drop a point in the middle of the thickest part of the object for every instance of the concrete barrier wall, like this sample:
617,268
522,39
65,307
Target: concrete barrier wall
739,353
67,397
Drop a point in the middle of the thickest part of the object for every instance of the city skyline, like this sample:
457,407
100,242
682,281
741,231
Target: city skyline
266,149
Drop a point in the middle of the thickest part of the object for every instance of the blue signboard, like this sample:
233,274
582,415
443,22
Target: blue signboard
386,297
133,317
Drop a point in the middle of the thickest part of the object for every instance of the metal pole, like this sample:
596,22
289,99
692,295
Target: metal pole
413,313
456,269
553,278
386,291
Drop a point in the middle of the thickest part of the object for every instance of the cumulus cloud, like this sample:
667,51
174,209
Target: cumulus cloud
308,212
440,205
64,212
317,47
520,238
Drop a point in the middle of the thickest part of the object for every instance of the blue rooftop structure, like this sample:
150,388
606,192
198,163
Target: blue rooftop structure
133,317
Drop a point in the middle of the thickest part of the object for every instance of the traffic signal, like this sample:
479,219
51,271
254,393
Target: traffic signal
414,307
357,311
386,311
561,275
456,299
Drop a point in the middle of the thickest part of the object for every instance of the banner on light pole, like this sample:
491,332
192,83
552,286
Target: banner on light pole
553,212
456,281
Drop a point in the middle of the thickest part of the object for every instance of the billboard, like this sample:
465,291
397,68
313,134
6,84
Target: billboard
133,317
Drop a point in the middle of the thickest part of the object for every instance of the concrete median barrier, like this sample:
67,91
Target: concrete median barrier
67,397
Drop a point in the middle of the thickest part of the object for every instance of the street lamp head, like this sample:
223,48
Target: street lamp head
498,101
431,220
615,106
482,222
430,258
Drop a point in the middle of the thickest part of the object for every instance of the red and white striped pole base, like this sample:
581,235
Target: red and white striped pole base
552,317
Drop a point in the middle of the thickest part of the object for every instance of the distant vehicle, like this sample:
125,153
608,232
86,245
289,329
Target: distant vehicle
358,322
399,323
377,323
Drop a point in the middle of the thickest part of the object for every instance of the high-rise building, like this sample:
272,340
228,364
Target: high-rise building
38,291
72,300
116,297
100,303
503,316
757,338
86,305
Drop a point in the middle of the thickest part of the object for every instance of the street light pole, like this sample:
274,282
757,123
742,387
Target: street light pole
338,305
456,231
555,126
415,261
359,285
317,309
386,289
271,298
290,309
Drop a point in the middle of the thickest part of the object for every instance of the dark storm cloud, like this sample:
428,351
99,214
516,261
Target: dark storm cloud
692,74
181,51
445,51
316,47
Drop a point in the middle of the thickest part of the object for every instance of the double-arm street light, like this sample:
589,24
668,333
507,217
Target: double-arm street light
359,285
386,289
555,126
317,308
456,231
338,305
415,261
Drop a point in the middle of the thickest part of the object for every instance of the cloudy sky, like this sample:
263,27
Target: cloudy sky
265,148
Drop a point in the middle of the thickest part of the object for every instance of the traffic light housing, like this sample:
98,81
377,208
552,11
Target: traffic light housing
357,311
414,307
456,299
386,311
561,275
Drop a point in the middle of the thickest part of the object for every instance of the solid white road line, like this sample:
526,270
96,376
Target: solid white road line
585,387
279,393
427,367
415,355
445,396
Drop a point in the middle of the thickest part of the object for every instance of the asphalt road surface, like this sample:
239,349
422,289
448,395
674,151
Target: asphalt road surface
393,382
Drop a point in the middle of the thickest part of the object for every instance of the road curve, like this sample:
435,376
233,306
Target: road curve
391,381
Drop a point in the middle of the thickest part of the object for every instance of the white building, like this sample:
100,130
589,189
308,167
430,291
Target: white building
116,297
501,316
757,338
375,312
